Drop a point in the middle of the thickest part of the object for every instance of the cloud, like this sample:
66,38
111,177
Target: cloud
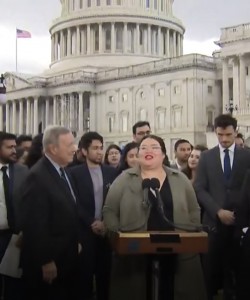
33,54
206,47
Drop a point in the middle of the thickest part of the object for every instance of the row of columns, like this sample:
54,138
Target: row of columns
23,116
80,40
239,81
163,6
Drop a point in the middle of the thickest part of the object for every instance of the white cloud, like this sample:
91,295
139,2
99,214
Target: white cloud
33,54
202,47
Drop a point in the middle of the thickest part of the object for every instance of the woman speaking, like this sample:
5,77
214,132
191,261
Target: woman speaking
128,208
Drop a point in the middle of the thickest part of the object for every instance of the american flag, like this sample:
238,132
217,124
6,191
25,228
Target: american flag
22,33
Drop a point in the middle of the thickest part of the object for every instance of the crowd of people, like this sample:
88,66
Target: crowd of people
59,203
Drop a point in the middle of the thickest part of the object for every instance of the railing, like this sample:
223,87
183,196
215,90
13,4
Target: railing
235,31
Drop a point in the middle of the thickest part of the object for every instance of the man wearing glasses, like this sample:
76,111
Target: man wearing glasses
140,129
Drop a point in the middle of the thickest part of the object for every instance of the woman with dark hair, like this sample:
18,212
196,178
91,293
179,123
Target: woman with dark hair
129,157
36,151
127,210
193,160
112,156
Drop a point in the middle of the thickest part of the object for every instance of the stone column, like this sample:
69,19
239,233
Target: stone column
71,111
179,45
69,42
88,39
28,131
242,82
236,81
8,116
137,44
78,41
168,43
61,44
149,39
13,129
54,109
100,38
125,38
35,128
1,117
80,114
21,116
225,85
62,121
113,42
159,41
47,112
174,44
52,48
56,46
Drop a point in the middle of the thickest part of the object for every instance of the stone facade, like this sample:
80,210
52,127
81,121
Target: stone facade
114,62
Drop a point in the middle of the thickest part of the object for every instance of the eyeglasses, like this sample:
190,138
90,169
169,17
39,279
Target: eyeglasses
143,133
153,148
114,153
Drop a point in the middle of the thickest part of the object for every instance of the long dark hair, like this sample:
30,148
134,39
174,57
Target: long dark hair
187,171
124,164
112,146
36,151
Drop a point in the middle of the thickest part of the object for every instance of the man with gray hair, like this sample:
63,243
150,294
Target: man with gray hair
49,254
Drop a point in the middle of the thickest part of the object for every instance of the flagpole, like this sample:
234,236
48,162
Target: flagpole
16,49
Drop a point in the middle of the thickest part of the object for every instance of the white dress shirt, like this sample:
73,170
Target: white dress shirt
3,208
231,150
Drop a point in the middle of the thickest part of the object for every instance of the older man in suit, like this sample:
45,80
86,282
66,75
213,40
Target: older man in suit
92,181
218,184
50,222
11,179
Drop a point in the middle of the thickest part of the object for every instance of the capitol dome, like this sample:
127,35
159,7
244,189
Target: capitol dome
114,33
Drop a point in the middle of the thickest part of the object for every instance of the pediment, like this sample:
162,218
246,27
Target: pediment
15,82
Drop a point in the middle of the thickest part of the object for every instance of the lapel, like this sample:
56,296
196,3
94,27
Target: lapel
236,160
87,179
56,177
217,163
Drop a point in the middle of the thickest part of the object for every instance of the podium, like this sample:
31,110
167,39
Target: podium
162,242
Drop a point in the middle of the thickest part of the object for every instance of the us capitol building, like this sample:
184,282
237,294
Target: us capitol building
114,62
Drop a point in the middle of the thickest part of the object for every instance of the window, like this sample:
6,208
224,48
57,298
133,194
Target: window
155,4
81,4
89,3
96,39
108,2
210,118
177,116
141,37
147,3
111,99
161,92
130,37
119,39
119,2
73,4
177,90
111,121
98,2
210,89
108,39
161,118
124,97
124,122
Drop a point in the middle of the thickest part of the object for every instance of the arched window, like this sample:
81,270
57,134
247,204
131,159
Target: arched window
111,122
124,121
161,113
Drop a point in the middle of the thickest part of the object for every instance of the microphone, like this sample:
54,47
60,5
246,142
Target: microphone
155,185
145,187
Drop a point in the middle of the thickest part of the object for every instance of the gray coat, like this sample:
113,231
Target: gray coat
124,210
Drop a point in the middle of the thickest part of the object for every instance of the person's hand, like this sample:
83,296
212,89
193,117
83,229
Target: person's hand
98,227
226,216
49,272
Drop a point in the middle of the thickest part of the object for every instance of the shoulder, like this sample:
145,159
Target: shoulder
77,169
21,168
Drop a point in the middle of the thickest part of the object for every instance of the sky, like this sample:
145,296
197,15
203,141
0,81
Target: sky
202,19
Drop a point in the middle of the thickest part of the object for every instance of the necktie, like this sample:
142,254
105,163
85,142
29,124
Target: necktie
8,202
227,165
64,178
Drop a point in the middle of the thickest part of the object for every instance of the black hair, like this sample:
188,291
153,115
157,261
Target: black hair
140,124
6,136
224,121
112,146
158,139
182,141
23,138
88,138
240,136
124,164
35,151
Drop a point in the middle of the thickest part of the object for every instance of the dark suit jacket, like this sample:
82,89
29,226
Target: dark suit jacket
213,191
243,213
49,220
85,191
